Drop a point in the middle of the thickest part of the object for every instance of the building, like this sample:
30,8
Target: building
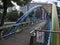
48,7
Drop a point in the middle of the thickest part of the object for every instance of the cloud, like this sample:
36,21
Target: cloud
16,6
40,0
49,1
58,4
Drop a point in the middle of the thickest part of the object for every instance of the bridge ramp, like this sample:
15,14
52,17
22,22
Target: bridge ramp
22,38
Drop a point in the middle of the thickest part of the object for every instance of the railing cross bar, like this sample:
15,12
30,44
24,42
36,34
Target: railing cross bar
48,31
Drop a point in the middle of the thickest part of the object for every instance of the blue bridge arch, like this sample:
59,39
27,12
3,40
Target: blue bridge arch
20,20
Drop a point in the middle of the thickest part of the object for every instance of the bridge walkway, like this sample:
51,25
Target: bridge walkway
22,38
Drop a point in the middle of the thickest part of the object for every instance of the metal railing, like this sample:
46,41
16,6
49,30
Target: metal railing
40,36
7,26
48,31
21,27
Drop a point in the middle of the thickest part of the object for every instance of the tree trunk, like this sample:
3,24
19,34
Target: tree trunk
4,14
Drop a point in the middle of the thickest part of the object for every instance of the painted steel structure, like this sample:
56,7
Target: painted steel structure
54,38
21,20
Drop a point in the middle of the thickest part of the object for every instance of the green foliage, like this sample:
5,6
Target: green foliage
8,3
1,7
22,2
21,13
13,16
58,10
0,16
19,2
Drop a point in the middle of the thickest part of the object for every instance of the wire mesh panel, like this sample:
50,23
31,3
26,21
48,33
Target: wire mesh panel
40,37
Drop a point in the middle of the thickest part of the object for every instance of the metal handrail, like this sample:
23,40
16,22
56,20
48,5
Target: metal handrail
21,19
48,31
10,25
7,23
7,26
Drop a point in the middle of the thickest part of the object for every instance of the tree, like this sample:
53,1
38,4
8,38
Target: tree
58,10
21,13
0,16
7,3
12,16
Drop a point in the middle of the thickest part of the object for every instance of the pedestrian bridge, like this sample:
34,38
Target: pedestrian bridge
24,31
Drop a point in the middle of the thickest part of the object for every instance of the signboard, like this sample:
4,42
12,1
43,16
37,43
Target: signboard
39,37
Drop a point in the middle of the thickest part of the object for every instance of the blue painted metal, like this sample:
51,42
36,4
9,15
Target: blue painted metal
50,27
47,34
20,20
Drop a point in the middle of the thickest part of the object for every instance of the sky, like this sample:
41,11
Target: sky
47,1
39,0
43,1
59,3
17,7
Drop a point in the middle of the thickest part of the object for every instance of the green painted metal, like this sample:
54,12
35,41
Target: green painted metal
55,26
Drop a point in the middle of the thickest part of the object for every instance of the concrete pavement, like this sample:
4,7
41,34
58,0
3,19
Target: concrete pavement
23,38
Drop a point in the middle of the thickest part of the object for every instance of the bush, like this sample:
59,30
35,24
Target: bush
13,16
0,16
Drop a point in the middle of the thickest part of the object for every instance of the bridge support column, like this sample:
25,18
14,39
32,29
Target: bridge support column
55,37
